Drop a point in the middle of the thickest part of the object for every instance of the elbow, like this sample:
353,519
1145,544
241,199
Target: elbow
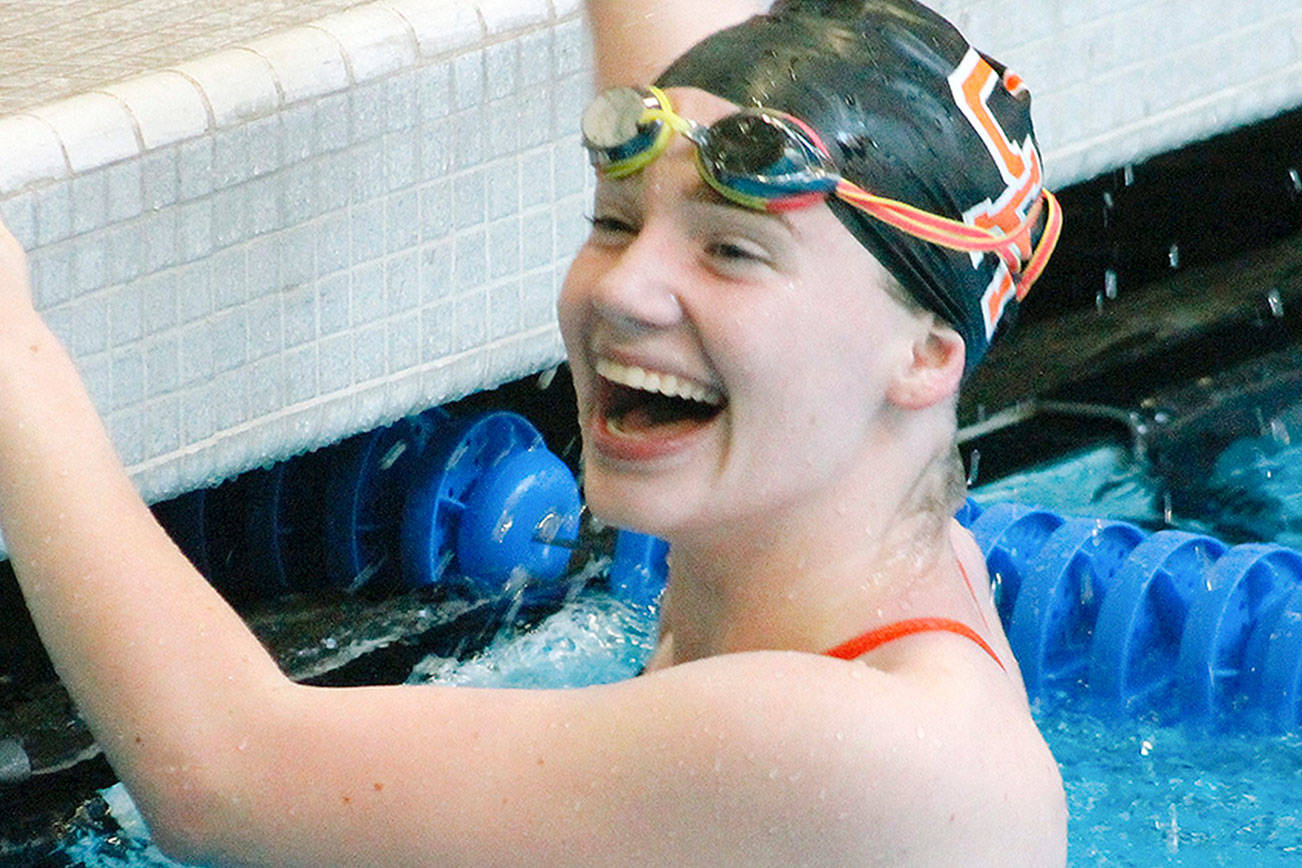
197,803
203,790
189,821
184,841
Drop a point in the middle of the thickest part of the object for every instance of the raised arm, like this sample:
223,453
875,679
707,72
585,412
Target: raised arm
634,40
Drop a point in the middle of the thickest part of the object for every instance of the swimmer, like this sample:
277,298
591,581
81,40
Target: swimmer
808,282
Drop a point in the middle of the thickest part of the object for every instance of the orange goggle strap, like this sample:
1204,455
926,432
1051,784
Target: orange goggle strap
1048,241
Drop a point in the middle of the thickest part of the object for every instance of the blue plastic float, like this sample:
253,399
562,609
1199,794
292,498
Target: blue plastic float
1009,536
1168,623
283,522
1053,617
367,487
491,504
1245,585
1273,663
639,567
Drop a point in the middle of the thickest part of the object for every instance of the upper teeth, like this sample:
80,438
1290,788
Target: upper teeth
655,381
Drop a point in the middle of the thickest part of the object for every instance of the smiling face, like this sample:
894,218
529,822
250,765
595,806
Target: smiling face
730,365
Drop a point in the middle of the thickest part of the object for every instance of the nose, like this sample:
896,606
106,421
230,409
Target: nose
637,286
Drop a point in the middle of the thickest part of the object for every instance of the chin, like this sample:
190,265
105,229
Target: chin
638,503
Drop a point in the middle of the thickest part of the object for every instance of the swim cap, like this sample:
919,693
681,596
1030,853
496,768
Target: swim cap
909,111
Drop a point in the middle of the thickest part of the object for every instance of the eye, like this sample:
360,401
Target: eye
737,251
609,230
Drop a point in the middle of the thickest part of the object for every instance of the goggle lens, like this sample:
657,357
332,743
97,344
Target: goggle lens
746,144
621,132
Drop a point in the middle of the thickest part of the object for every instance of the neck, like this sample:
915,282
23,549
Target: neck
870,550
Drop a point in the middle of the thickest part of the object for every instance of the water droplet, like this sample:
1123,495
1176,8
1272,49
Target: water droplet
1275,303
1145,747
1128,176
1279,432
1173,256
975,467
1296,180
1110,284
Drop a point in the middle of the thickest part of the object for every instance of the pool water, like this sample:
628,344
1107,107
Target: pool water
1139,792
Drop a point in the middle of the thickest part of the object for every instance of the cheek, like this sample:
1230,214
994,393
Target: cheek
572,303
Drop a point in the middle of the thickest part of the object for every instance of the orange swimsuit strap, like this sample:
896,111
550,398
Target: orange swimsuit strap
861,645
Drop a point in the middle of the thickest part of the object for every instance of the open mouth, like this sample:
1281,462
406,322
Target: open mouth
636,402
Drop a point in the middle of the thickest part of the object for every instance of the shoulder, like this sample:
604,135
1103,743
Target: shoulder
918,764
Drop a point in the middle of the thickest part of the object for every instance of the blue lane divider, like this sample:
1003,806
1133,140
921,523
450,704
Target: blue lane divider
1248,582
491,504
477,501
1273,662
1010,535
283,523
1137,634
1169,622
1052,622
367,488
639,568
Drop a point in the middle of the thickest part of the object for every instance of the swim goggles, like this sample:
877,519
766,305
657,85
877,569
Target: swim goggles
769,160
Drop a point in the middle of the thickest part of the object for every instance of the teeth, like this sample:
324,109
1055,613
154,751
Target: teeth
654,381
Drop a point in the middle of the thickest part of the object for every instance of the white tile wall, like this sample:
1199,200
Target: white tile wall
266,248
304,219
1116,81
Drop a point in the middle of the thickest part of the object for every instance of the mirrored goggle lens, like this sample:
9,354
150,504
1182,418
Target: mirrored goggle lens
760,155
614,129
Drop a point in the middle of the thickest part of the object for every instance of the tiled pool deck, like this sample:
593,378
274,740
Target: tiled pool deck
54,49
263,225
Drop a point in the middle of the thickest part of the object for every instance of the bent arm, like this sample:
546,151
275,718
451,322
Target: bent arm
155,659
634,40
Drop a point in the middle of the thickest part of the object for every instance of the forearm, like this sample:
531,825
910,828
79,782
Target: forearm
634,40
155,659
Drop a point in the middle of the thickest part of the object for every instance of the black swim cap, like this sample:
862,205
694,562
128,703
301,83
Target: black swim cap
909,111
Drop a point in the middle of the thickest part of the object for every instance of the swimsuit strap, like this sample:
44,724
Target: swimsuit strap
861,645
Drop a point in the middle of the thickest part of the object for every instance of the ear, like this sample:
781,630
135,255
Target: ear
934,371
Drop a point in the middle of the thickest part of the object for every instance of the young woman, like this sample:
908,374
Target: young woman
766,354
